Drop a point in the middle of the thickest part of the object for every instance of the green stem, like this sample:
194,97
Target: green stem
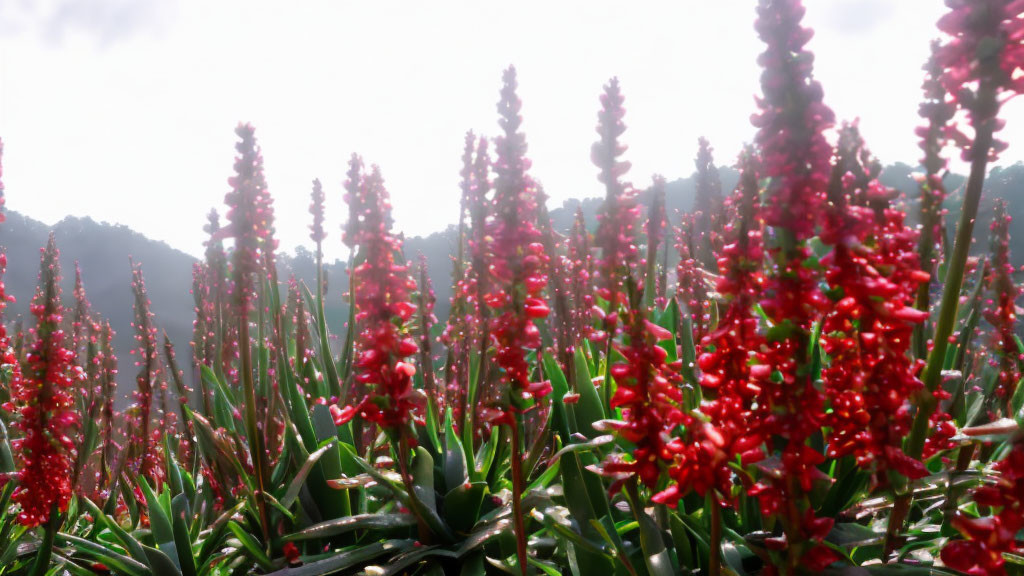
715,563
252,432
932,376
45,551
517,497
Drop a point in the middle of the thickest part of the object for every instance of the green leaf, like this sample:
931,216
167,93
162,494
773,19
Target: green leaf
455,465
358,522
346,560
300,476
252,547
160,563
462,505
589,408
119,563
159,521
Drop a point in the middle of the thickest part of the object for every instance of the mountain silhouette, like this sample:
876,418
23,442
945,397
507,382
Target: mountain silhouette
103,251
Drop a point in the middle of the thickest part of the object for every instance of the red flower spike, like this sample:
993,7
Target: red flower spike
796,162
617,221
251,220
516,258
874,265
383,308
708,203
46,409
1002,314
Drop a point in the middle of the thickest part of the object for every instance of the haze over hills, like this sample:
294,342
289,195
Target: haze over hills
103,251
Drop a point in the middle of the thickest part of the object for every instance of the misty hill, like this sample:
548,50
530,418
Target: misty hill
103,251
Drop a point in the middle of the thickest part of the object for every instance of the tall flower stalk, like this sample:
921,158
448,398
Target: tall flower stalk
708,202
978,80
250,217
655,231
517,265
937,111
426,321
873,272
1002,315
616,230
42,396
796,161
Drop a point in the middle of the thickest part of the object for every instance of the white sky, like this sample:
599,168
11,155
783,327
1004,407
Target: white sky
124,110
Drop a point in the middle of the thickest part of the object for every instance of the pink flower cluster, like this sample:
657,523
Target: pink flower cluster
316,209
989,537
796,160
873,269
43,399
1002,313
616,231
982,61
691,289
516,260
383,308
726,374
650,394
251,218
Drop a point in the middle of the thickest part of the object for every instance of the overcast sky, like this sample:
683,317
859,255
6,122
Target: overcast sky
124,110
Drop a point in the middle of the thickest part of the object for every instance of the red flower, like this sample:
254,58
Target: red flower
691,289
316,208
796,161
1003,312
46,409
579,265
251,218
874,272
516,259
617,221
145,441
981,61
989,537
383,309
731,386
649,393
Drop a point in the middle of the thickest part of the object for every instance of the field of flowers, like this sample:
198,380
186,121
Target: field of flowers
820,388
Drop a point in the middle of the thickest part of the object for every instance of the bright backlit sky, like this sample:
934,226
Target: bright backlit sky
124,110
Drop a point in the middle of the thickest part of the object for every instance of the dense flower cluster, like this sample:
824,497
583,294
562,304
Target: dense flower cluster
144,451
579,265
1002,313
356,200
981,60
426,321
989,537
708,203
616,231
874,274
649,394
726,374
316,209
691,289
796,160
516,259
383,308
251,218
937,111
43,399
